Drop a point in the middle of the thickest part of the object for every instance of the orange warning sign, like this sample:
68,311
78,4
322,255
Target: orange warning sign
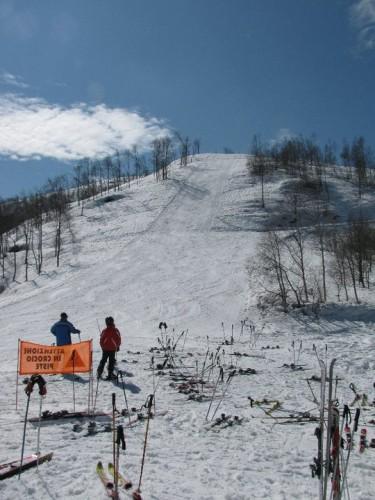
47,359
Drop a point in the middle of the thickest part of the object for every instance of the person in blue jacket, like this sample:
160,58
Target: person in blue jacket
62,330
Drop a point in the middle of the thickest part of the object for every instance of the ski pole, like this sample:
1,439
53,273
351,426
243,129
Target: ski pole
326,354
294,353
153,372
123,389
221,375
312,392
355,428
74,389
149,407
299,352
222,325
28,390
154,386
316,354
97,323
229,379
38,435
186,334
96,395
177,341
204,364
119,440
114,427
42,392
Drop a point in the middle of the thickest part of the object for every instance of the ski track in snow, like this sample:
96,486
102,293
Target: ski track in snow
177,252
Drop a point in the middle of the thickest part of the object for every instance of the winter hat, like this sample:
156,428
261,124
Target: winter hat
109,321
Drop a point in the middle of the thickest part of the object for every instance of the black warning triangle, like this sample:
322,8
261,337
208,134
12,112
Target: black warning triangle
75,362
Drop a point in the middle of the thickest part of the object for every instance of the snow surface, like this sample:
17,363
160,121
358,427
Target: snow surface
178,252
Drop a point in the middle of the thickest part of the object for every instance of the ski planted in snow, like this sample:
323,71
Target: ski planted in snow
122,481
348,434
108,485
363,440
12,468
335,454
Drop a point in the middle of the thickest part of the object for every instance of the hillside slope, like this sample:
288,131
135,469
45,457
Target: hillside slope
177,252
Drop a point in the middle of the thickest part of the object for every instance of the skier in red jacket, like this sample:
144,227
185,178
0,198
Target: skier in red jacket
110,341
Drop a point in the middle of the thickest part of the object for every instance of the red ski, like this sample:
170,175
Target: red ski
363,440
12,468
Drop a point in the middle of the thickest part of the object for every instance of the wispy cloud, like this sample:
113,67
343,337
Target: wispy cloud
12,80
363,17
282,135
33,128
17,22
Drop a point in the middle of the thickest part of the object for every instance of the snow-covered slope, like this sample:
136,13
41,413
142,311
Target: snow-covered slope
177,252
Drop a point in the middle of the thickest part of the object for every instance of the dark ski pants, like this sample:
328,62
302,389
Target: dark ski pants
111,357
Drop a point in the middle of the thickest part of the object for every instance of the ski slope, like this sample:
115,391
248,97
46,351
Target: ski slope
178,252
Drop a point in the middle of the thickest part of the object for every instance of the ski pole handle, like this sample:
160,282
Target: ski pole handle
149,402
356,418
120,437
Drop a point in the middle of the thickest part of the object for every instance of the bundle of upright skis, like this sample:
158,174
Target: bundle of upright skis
332,460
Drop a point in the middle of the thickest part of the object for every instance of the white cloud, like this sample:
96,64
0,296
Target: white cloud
12,80
282,135
363,18
33,128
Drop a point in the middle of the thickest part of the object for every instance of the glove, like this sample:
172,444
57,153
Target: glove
118,349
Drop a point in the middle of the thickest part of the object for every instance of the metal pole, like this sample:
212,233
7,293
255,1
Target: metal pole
38,437
149,406
214,391
74,390
126,400
24,434
230,376
18,365
114,428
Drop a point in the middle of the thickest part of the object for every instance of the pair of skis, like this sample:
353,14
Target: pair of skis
109,482
12,468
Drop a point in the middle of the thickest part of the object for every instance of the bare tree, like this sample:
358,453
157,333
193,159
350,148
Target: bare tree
359,157
257,163
196,147
184,149
27,235
321,235
37,216
270,259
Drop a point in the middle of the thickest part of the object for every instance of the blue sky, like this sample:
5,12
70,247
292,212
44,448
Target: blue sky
87,77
